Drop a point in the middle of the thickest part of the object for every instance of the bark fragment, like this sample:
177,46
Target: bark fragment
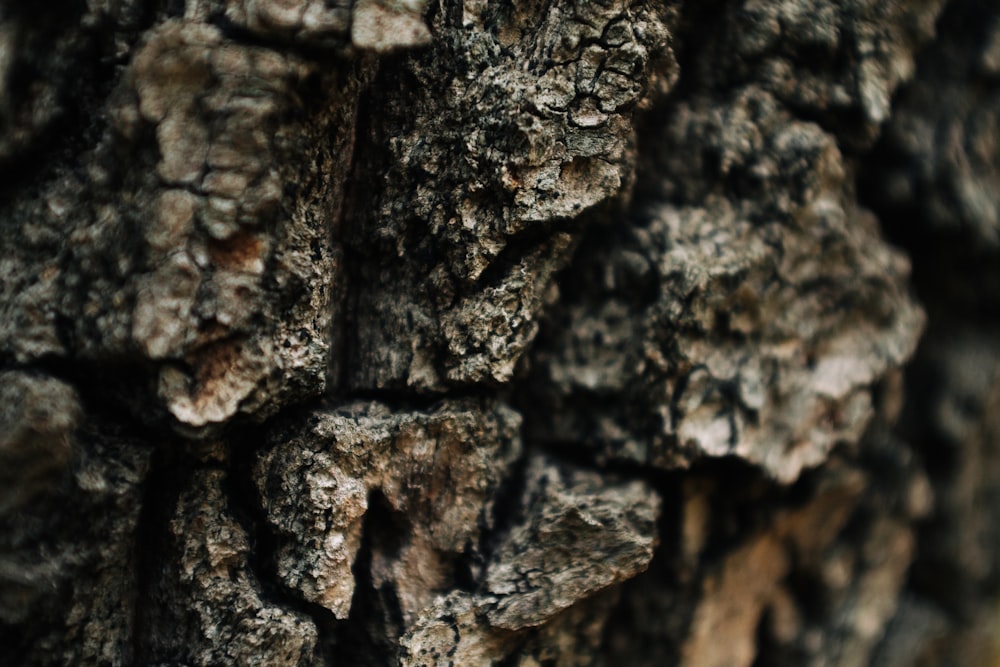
201,233
515,120
744,314
438,472
208,608
577,534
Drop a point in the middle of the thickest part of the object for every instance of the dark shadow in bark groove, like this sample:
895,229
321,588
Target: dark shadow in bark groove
580,456
507,512
357,195
664,574
369,636
244,36
414,400
245,505
341,332
168,473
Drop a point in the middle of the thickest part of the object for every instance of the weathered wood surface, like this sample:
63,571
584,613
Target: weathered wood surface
500,333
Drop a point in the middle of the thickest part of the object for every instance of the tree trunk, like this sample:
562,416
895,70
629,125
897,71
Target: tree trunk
500,333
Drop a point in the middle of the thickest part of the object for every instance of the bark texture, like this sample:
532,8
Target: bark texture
429,332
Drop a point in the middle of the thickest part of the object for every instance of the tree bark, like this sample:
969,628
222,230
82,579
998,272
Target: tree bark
430,332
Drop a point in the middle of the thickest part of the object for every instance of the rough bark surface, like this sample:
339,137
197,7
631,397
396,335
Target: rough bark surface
429,332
